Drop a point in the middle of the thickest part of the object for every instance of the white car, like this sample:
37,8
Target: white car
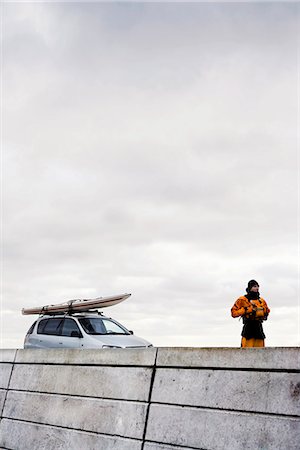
86,330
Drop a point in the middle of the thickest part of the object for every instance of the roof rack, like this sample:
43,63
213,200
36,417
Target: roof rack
71,312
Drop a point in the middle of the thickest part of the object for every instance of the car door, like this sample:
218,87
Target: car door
71,336
48,332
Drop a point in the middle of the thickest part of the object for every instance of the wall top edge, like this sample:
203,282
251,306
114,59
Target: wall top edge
276,358
269,358
116,357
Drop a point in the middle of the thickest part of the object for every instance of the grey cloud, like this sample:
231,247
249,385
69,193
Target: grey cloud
150,148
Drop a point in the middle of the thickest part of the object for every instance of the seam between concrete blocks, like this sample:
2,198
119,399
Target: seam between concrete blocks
126,366
227,410
8,384
79,396
175,446
80,430
149,400
157,366
231,369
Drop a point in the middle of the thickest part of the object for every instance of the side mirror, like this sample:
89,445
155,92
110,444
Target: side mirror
76,334
131,332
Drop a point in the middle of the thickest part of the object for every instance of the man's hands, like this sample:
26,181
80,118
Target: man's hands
254,312
250,311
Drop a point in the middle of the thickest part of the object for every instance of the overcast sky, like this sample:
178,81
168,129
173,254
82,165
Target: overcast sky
151,148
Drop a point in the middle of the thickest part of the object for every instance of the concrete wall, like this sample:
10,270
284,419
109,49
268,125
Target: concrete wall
153,399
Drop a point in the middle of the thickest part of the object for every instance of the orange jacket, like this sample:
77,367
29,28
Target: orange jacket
254,309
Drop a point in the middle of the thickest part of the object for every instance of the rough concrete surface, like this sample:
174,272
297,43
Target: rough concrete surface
286,358
26,436
212,399
5,372
2,399
7,355
105,357
84,380
153,446
221,430
102,416
267,392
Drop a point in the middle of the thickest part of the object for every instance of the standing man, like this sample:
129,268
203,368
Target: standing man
254,310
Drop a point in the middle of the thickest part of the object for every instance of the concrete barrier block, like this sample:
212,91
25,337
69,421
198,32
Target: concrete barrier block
101,357
267,392
113,417
285,358
127,383
7,355
25,436
219,430
5,371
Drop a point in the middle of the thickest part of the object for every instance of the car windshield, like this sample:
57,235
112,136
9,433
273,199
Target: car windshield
97,325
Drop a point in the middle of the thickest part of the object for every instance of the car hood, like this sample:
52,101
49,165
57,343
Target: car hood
120,340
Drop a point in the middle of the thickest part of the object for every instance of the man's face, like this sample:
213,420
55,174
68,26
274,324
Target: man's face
255,288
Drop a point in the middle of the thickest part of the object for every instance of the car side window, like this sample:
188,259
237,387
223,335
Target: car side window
31,328
41,326
50,326
69,325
